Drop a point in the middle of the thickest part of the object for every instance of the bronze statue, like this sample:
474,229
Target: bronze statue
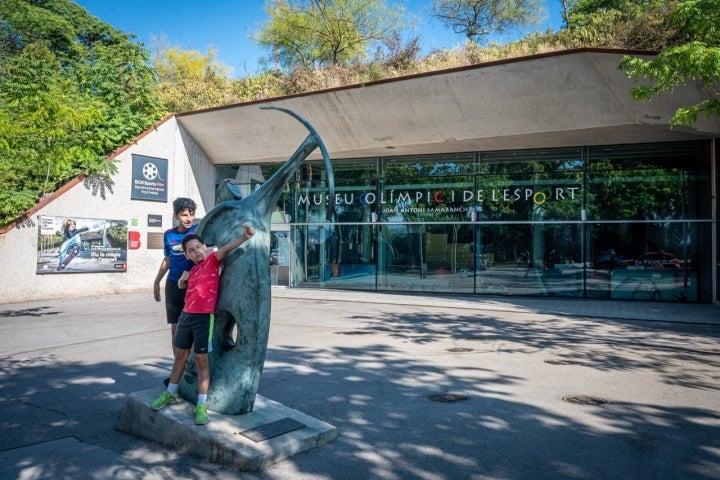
245,295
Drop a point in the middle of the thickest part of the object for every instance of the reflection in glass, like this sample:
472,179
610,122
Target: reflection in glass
433,258
531,259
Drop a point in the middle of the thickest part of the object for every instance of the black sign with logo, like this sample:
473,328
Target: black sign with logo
149,178
154,220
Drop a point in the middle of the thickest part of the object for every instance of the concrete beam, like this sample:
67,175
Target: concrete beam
570,98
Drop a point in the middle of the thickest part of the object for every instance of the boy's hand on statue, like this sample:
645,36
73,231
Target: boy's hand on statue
249,231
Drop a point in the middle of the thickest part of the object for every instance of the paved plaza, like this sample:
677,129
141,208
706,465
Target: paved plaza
419,387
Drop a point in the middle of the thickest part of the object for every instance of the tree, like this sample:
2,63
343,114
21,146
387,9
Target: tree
697,59
42,114
189,80
398,55
565,7
72,89
477,18
174,65
312,33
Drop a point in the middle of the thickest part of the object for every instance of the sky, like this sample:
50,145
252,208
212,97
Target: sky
228,26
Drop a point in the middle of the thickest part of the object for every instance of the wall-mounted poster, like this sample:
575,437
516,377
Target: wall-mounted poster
81,245
149,177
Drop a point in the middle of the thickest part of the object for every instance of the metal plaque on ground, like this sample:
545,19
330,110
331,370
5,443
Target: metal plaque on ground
273,429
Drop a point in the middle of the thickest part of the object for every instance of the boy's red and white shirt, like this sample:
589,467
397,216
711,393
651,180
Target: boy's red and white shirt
202,286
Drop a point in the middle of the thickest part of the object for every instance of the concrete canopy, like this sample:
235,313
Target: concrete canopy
569,98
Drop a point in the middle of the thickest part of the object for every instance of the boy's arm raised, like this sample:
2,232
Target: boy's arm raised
248,232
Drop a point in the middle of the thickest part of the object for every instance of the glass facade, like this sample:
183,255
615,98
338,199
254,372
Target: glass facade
616,222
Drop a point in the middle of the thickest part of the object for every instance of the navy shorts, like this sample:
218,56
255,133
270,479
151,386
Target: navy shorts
174,301
194,329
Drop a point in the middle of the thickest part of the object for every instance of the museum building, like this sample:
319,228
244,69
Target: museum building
534,176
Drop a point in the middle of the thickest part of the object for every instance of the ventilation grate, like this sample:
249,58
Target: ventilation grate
561,361
584,400
447,397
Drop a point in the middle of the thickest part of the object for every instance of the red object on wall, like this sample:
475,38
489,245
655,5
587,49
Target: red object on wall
134,242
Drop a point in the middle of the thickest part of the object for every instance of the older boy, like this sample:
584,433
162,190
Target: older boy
175,263
196,321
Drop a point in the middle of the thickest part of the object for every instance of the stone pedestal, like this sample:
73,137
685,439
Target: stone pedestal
270,433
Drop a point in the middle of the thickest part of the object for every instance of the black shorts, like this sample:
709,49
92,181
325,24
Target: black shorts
195,329
174,301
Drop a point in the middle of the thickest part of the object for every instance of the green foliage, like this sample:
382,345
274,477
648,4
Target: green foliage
312,33
44,113
695,60
621,23
72,89
174,65
25,23
256,87
583,11
189,80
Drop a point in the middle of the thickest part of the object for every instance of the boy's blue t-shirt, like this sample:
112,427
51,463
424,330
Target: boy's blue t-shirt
172,240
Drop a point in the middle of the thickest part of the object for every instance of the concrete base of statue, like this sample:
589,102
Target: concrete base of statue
270,433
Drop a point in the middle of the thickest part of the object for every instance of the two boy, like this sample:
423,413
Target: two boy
196,320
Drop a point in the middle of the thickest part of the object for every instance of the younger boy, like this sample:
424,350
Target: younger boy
196,321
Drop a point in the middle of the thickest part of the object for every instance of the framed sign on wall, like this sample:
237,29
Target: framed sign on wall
149,178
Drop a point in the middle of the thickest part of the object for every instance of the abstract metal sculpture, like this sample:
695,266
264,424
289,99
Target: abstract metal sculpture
245,294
